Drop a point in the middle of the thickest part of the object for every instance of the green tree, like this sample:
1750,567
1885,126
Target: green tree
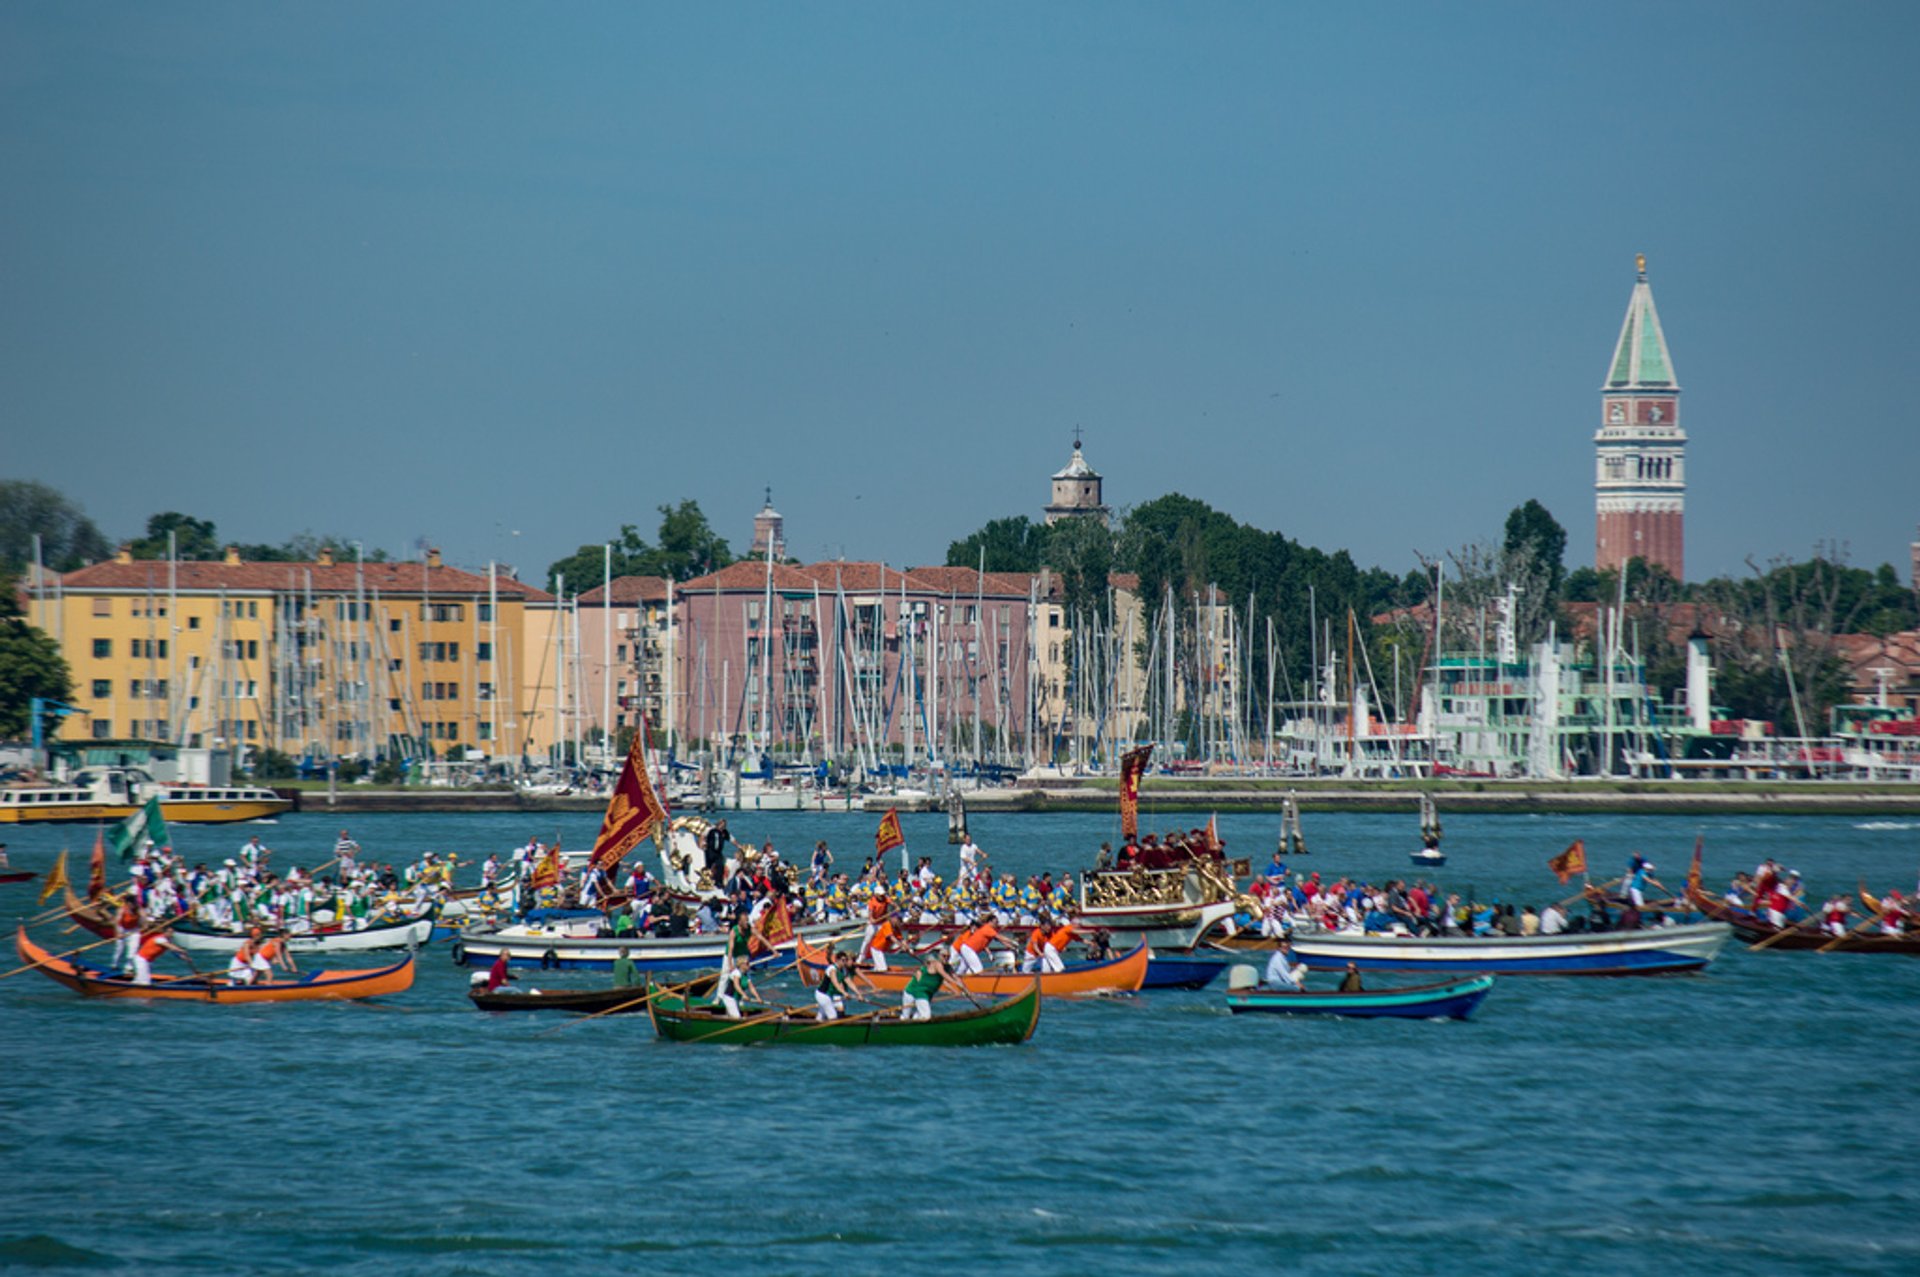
1535,536
30,666
688,547
68,538
1013,544
1081,551
192,538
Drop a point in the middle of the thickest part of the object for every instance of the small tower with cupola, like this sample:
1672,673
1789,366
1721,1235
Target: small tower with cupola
1076,490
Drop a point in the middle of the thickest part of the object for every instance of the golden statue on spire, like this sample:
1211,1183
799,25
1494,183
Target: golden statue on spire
1640,264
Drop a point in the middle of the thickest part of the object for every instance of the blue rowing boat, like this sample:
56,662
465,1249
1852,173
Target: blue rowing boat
1183,970
1449,1000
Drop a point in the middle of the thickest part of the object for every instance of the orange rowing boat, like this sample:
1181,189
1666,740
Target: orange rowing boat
94,982
1123,974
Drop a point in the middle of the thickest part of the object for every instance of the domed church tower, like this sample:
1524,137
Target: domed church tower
1076,490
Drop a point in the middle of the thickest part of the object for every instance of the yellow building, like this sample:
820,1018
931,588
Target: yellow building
356,660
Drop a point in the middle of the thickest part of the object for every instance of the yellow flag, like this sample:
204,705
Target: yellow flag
56,877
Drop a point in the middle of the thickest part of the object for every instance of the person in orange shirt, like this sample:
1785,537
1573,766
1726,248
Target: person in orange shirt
1053,956
1036,951
969,951
885,939
276,954
152,945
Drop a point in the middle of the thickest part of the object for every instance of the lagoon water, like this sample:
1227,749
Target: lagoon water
1759,1117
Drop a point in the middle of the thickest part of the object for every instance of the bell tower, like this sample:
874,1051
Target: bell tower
1076,490
1640,476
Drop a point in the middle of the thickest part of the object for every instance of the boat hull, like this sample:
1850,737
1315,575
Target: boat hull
1183,971
1161,928
410,933
620,1001
1755,930
1450,999
1124,974
1657,951
1005,1023
556,952
187,812
312,986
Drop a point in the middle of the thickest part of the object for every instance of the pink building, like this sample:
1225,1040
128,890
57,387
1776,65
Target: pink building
839,657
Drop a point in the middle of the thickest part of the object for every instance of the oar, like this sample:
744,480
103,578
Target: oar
61,957
1849,934
1791,929
643,998
762,1018
845,1019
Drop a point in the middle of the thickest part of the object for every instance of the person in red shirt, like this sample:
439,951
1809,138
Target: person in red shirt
499,974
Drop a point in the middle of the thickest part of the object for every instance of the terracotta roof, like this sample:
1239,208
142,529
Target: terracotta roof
748,575
404,578
628,590
1128,581
864,577
965,581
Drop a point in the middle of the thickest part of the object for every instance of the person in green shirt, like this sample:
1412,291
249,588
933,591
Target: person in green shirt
914,1004
624,976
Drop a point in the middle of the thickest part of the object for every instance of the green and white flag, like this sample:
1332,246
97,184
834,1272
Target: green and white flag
132,833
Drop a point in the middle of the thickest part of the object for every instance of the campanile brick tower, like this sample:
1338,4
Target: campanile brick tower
1640,475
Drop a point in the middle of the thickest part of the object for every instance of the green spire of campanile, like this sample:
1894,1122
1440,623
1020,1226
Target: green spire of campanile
1640,360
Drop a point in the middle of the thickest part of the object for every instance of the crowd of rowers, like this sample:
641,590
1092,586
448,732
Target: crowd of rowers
244,896
1277,903
1780,896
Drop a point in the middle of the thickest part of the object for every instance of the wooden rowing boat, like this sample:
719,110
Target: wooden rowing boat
96,982
1653,951
90,915
17,875
1759,932
1448,999
1123,974
618,1001
1004,1023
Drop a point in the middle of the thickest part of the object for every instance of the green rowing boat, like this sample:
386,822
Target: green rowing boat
1001,1023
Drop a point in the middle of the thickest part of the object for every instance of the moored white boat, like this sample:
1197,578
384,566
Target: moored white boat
403,933
1654,951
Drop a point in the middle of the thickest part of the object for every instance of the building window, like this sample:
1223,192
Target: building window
483,651
485,611
485,691
103,729
103,648
193,622
102,688
393,625
103,607
486,731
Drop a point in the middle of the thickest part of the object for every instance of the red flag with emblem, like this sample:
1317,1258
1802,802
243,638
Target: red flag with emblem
1132,764
546,872
1571,861
633,812
1213,834
777,927
888,836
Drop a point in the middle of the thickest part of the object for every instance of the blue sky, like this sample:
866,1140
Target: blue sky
507,276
